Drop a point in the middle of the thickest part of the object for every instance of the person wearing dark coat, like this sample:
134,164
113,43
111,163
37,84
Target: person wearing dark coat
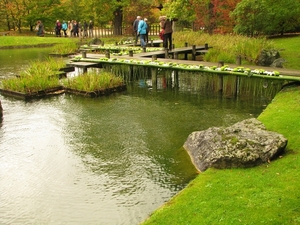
136,26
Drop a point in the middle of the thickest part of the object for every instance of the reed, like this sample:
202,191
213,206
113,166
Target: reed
64,48
39,75
93,81
225,47
30,84
47,67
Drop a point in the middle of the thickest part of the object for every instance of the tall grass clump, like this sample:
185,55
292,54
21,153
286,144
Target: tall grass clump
225,47
93,81
30,84
48,67
65,48
39,75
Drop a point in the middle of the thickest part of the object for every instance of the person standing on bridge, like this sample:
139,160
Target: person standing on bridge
135,27
166,25
147,31
142,30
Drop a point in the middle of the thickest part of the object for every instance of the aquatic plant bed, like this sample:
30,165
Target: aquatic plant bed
94,84
96,93
118,50
224,70
33,95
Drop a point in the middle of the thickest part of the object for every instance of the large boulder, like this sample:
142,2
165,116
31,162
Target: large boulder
244,144
267,57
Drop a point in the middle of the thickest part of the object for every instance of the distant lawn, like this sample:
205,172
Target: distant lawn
18,41
289,50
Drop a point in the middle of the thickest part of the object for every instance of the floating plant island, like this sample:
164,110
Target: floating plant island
94,84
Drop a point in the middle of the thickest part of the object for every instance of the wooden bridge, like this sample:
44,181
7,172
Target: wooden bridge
168,61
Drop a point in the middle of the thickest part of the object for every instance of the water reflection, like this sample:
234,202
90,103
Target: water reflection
110,160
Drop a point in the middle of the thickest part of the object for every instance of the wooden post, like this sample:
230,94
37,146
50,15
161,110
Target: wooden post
151,43
84,69
130,72
185,54
239,60
130,53
154,57
144,49
221,63
176,78
83,54
175,55
237,86
220,83
194,52
107,54
166,53
206,46
154,78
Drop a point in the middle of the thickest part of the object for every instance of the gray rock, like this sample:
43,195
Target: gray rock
96,41
278,63
267,57
244,144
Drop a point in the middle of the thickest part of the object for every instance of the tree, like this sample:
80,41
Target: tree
265,17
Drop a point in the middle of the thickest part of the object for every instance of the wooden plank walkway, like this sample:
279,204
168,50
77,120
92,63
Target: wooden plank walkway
141,56
152,43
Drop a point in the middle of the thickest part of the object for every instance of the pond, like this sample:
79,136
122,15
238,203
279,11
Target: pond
110,160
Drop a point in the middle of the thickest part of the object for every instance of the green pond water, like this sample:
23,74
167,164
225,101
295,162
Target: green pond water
109,160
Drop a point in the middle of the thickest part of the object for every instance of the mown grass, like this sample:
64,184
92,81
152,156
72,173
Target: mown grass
19,41
289,50
267,194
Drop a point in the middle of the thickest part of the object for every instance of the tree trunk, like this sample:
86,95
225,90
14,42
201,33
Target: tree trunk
8,22
19,25
118,19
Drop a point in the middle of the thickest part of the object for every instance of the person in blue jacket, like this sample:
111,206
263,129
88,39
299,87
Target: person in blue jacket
142,31
64,27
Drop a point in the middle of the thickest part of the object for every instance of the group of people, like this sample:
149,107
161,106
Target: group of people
141,29
74,29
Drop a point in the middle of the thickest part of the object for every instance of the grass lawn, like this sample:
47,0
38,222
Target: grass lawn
289,50
18,41
267,194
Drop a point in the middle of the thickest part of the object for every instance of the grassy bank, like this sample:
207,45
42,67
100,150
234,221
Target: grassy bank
289,50
267,194
32,41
